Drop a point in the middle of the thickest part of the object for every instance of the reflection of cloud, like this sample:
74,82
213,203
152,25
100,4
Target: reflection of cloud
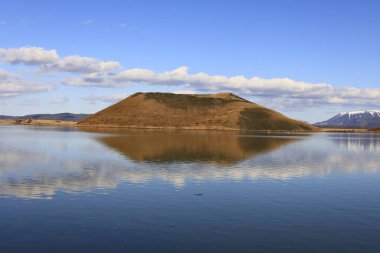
45,184
12,158
19,175
80,176
358,142
30,173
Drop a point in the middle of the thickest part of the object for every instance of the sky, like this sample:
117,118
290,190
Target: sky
307,59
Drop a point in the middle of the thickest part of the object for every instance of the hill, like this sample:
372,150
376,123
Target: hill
190,111
58,116
358,119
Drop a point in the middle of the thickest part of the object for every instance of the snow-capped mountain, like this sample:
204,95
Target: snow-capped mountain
363,119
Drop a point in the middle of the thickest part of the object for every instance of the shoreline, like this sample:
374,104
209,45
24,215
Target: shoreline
30,122
58,123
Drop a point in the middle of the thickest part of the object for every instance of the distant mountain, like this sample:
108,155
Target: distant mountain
358,119
58,116
193,111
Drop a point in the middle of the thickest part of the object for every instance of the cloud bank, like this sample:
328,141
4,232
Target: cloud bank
12,85
49,60
29,55
288,90
92,72
77,174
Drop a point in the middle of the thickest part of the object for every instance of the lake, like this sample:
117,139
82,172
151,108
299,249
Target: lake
70,190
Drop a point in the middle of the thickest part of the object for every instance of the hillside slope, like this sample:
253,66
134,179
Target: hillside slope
214,111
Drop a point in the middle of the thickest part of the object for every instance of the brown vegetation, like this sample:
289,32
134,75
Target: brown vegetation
38,122
215,111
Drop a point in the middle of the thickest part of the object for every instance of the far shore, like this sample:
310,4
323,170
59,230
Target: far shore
75,124
38,122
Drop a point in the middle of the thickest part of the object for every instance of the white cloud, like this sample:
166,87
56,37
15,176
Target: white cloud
5,75
289,91
201,81
12,89
12,85
50,60
29,55
97,73
76,63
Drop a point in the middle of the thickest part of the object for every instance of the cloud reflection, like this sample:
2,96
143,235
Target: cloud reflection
178,159
358,142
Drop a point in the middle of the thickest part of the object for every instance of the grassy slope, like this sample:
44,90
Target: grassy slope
217,111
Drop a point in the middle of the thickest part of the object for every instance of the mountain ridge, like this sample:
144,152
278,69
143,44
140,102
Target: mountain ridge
354,119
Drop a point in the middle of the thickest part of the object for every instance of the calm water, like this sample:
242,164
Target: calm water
65,190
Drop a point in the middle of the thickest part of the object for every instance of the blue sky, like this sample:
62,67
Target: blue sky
310,59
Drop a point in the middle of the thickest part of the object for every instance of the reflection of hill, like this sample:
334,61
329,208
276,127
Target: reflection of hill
38,172
28,171
154,146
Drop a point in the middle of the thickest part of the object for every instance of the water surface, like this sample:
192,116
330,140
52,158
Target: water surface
70,190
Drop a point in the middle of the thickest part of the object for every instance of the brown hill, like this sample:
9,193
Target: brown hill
214,111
